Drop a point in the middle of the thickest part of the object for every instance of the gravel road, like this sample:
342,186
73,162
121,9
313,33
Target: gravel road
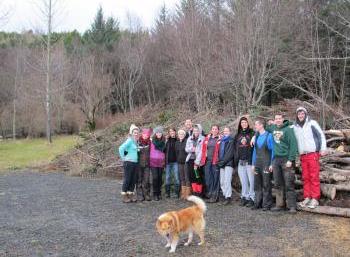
51,214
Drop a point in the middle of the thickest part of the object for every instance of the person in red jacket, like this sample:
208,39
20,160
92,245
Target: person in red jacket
210,158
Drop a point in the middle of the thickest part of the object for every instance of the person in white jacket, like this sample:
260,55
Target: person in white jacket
311,145
194,153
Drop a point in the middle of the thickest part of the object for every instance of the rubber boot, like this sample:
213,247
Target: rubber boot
139,193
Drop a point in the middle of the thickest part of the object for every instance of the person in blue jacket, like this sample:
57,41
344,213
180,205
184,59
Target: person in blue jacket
128,152
262,167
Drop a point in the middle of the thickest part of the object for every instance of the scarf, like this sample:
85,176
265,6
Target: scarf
144,142
159,144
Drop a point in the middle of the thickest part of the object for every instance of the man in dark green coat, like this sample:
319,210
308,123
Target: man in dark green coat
285,151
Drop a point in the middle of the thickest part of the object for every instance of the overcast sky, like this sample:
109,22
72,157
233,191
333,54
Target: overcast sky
79,14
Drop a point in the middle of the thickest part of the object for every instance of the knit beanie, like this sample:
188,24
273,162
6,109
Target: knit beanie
146,131
301,109
158,129
132,128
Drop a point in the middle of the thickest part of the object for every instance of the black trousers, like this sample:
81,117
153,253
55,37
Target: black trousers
130,176
284,182
263,187
157,180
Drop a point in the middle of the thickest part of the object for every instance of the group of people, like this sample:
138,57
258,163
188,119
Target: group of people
203,165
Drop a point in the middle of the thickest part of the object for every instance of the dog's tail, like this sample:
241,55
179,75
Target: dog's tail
198,201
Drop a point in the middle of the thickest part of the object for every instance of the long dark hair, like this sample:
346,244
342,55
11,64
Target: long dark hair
240,129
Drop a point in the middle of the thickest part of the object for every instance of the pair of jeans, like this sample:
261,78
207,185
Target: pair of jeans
246,177
130,176
284,181
225,181
172,169
212,180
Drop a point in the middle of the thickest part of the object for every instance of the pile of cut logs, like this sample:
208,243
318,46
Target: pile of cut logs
334,175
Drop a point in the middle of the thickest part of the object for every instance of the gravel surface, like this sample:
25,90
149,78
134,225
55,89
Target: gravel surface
53,214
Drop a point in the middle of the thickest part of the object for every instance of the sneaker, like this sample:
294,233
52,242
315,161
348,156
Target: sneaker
304,203
250,204
313,204
243,202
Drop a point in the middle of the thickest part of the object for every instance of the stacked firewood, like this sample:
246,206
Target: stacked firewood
334,175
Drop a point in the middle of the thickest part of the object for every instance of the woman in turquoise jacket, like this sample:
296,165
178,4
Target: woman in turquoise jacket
128,152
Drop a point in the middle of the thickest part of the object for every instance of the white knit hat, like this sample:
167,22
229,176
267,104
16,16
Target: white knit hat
132,128
301,109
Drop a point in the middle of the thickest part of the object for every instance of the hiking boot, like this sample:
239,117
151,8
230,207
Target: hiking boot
266,208
243,202
313,204
277,209
255,207
304,203
148,198
227,201
250,204
126,198
292,210
132,197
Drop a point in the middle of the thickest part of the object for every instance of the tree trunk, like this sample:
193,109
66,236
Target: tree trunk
48,76
329,191
329,210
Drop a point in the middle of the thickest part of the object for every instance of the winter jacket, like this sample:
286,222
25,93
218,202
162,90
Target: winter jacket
170,153
157,157
144,154
128,151
310,137
198,149
285,143
243,150
180,149
226,155
260,141
215,158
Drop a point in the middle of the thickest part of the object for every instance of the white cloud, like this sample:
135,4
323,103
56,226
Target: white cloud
79,14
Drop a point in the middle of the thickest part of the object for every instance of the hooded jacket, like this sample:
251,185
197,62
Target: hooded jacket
226,156
128,151
198,149
309,135
285,143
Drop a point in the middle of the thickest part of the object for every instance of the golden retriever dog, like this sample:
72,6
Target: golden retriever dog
190,220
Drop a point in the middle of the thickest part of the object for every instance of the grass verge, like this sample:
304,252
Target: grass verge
24,153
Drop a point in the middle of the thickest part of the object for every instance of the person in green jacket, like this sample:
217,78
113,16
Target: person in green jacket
285,150
128,152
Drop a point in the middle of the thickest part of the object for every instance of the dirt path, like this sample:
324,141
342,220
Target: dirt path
56,215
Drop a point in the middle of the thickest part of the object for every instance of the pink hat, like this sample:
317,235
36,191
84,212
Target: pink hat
146,131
